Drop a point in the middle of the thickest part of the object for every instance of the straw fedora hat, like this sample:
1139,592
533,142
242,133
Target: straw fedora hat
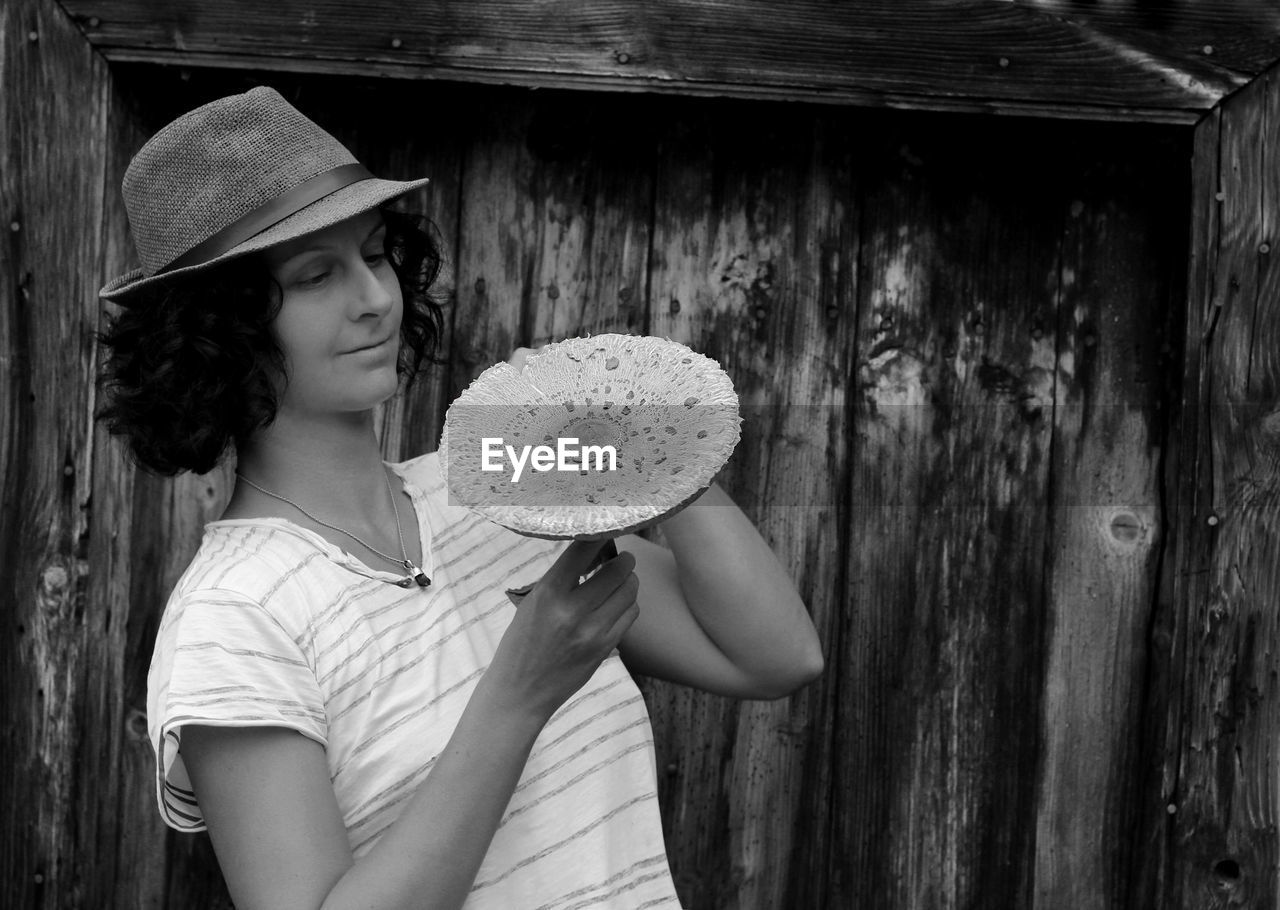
234,176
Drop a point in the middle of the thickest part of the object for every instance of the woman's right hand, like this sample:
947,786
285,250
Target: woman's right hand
563,630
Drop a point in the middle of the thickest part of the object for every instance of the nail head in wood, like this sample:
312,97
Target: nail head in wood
396,43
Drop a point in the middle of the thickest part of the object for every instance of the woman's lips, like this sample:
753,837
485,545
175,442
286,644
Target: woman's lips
375,346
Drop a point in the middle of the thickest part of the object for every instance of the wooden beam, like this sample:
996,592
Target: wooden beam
1242,36
1219,687
63,580
955,55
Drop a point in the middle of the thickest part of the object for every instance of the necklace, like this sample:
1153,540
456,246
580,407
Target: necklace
415,574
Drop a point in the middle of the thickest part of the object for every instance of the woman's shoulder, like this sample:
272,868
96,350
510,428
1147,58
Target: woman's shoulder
423,471
252,559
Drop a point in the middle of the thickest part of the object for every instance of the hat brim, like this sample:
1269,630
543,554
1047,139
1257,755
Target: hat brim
339,205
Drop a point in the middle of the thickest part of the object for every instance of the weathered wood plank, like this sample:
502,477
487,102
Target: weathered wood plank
54,705
1239,35
1185,561
554,236
943,648
707,265
1224,850
979,55
130,830
1112,340
494,270
754,257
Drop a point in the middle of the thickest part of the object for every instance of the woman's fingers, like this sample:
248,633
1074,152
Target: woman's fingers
520,355
611,576
572,563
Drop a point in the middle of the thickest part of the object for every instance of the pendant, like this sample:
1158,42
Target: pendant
416,574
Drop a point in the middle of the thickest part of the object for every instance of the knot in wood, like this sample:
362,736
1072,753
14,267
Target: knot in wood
136,725
1126,527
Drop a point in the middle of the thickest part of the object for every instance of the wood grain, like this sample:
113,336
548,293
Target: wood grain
944,647
972,55
1223,846
754,255
555,218
1184,571
1114,336
1241,36
130,830
56,698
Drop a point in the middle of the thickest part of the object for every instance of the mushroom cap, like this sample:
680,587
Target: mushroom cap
669,414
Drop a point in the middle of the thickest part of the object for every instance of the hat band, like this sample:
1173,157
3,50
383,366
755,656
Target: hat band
268,214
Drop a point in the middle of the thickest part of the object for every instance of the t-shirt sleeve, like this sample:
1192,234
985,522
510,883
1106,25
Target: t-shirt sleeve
222,659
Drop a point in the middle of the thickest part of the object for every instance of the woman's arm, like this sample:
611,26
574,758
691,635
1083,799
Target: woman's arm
718,611
271,810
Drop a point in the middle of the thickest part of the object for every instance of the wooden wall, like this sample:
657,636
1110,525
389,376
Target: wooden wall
957,341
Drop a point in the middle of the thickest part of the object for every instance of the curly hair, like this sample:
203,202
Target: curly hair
192,366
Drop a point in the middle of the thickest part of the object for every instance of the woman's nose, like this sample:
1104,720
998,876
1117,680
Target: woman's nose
376,289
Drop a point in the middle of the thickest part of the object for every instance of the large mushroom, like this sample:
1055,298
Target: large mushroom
669,415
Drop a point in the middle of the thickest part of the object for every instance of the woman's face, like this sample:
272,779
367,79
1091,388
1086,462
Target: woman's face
339,319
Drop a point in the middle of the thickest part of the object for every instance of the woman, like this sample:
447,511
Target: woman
341,691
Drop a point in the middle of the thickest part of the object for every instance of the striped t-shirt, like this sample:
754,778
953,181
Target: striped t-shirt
271,625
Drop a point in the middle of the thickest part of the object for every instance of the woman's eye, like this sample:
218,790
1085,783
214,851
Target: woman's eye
375,259
313,280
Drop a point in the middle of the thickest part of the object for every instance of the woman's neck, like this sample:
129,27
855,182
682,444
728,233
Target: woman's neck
331,465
